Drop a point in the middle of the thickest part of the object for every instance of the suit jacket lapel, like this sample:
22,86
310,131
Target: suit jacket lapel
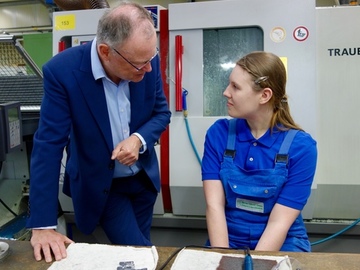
93,92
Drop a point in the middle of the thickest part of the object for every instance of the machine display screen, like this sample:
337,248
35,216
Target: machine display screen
11,128
14,127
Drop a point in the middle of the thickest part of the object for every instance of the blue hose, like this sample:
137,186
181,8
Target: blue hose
185,113
335,234
191,141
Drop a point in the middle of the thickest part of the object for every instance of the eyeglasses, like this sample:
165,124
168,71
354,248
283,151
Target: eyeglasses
142,66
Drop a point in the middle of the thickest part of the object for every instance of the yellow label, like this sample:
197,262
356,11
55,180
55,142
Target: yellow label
65,22
285,62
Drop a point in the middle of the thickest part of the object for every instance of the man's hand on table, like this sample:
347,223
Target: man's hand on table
48,242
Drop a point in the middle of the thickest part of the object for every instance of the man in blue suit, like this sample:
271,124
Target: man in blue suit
104,103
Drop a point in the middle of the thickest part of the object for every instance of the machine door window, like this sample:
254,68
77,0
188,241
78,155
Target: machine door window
222,48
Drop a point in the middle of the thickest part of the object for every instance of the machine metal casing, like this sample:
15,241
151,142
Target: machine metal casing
270,16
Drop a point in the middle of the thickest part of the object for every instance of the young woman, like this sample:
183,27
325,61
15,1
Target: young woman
258,167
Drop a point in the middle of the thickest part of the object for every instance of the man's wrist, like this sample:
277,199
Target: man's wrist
140,142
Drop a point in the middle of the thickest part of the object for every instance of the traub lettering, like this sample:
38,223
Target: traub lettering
344,51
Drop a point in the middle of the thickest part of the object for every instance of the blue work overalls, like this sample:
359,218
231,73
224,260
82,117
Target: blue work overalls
251,195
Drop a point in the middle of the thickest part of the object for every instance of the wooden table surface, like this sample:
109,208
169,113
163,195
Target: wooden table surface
21,257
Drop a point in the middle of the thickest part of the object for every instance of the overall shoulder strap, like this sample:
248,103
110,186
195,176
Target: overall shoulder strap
230,147
283,155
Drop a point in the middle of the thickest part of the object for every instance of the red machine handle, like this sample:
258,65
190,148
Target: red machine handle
178,73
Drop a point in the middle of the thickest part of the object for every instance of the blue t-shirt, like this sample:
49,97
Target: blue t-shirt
253,154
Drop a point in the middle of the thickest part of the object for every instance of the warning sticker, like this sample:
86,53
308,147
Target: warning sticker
301,33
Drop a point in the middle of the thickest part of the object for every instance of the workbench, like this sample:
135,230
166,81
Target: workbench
21,257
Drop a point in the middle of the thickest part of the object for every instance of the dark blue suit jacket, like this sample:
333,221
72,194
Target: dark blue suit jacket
74,114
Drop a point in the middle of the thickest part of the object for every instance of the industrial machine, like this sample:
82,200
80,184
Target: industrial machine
20,98
335,211
320,49
338,59
203,50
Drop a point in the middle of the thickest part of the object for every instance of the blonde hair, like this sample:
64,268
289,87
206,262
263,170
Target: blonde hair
267,70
